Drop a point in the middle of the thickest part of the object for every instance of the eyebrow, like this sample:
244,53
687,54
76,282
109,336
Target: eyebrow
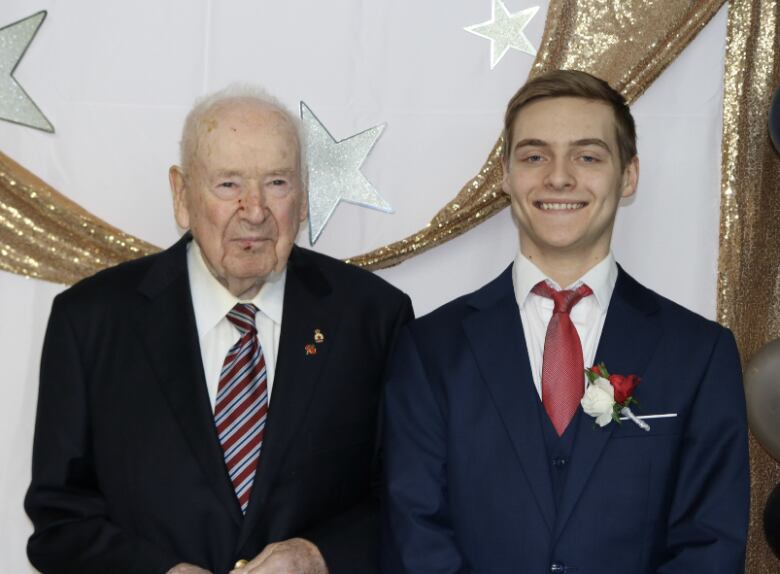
592,141
287,172
226,173
233,173
532,142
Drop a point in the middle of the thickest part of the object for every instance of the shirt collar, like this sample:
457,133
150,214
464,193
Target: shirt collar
211,301
601,278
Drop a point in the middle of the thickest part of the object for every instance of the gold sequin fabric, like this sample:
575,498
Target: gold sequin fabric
46,236
748,270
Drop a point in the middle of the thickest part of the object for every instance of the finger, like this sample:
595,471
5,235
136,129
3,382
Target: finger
276,563
250,566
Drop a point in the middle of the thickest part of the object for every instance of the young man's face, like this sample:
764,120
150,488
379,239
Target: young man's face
564,178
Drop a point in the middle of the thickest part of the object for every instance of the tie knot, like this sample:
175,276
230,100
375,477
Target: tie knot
242,315
564,300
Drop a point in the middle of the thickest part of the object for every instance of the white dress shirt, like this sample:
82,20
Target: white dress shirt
212,301
588,314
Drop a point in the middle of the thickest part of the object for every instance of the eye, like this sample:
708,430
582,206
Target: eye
590,156
227,189
278,186
533,158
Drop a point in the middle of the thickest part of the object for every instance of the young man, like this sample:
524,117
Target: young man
492,464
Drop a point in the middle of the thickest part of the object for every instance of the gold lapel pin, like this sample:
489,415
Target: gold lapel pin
318,336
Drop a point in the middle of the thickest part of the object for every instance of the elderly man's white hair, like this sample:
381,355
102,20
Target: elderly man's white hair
238,93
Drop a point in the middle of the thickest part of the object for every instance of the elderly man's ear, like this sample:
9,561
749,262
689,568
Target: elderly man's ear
304,212
180,210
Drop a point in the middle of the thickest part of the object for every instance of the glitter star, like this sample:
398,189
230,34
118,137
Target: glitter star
334,171
15,105
505,30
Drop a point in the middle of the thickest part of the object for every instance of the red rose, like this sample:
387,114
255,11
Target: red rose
624,386
596,370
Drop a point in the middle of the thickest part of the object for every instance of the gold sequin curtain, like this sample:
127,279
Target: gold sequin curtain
45,235
626,43
749,269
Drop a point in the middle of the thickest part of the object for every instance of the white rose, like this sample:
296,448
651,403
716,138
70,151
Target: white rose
599,401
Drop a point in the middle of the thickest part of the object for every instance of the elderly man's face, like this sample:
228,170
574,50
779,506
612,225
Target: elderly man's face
243,197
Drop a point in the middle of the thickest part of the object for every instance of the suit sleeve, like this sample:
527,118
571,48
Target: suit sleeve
707,528
349,541
73,531
417,533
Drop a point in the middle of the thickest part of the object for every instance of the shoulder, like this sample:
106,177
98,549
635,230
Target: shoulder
115,281
344,279
446,320
677,319
122,284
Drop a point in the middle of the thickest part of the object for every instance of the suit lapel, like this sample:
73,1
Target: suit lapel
495,334
171,338
630,336
308,305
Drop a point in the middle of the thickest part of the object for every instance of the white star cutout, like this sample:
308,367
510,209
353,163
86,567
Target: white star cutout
15,105
505,30
334,171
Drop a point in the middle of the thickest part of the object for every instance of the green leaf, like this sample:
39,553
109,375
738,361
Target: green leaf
616,413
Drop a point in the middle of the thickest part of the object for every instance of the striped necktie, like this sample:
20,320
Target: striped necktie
242,403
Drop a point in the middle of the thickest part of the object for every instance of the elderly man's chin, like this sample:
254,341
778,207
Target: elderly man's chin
257,262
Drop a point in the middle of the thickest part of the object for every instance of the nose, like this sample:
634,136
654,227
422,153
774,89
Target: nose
252,204
560,176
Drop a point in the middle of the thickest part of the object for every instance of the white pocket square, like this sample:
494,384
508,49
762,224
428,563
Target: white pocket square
659,416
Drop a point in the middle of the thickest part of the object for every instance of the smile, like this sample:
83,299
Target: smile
558,206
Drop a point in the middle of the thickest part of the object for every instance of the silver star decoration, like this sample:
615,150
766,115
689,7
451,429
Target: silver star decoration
505,30
15,105
334,171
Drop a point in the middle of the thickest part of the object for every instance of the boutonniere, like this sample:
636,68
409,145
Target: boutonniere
609,396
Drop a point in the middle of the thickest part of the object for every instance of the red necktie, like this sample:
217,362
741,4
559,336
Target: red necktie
563,378
242,403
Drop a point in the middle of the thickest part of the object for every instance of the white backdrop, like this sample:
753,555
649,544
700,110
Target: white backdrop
116,80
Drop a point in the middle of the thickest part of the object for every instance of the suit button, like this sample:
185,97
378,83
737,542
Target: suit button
557,568
559,462
241,563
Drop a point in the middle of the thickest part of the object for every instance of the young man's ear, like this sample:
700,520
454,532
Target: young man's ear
630,177
505,176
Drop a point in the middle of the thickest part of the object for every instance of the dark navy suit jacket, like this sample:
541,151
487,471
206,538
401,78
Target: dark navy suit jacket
468,477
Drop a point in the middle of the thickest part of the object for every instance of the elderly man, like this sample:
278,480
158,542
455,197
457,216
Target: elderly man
213,408
494,464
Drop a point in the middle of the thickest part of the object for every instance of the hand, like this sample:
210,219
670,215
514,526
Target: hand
184,568
293,556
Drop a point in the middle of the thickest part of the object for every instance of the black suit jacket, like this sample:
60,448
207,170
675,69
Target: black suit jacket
128,472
